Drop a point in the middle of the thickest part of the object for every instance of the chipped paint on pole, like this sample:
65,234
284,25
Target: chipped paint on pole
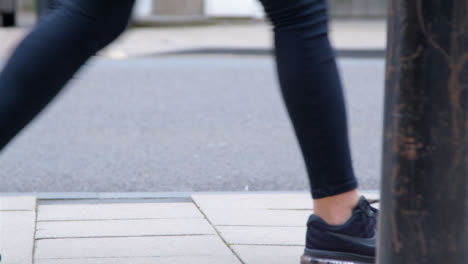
424,209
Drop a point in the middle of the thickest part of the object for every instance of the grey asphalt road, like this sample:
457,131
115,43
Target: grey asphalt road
183,123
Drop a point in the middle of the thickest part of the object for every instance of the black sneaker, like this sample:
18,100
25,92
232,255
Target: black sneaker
352,242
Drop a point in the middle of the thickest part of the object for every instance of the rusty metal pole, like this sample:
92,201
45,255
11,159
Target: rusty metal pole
424,209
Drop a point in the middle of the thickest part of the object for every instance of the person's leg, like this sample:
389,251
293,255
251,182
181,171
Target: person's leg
343,224
313,95
49,56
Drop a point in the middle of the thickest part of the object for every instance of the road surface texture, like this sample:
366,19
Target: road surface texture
183,123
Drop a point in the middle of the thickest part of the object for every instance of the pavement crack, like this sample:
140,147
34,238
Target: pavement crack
218,233
36,212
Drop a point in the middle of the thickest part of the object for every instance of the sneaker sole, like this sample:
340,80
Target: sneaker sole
330,257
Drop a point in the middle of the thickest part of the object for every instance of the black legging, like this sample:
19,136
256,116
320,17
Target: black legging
49,56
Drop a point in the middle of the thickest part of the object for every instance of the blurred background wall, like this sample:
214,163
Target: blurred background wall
358,8
238,8
251,8
247,8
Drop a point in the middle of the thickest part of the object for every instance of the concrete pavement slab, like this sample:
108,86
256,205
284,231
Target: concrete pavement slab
146,260
17,236
256,209
17,227
269,254
270,201
234,215
262,228
243,209
261,235
255,200
128,247
123,228
58,212
256,217
18,203
259,227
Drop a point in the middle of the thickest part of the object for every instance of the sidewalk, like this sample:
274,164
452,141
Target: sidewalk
250,228
345,35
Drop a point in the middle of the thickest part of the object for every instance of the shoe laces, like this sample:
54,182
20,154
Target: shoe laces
370,214
366,209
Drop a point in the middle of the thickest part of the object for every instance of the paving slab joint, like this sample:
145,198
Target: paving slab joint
218,233
35,229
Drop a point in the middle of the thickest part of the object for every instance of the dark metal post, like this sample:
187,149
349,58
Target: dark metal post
424,210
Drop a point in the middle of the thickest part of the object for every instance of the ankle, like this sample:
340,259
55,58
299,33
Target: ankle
337,209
